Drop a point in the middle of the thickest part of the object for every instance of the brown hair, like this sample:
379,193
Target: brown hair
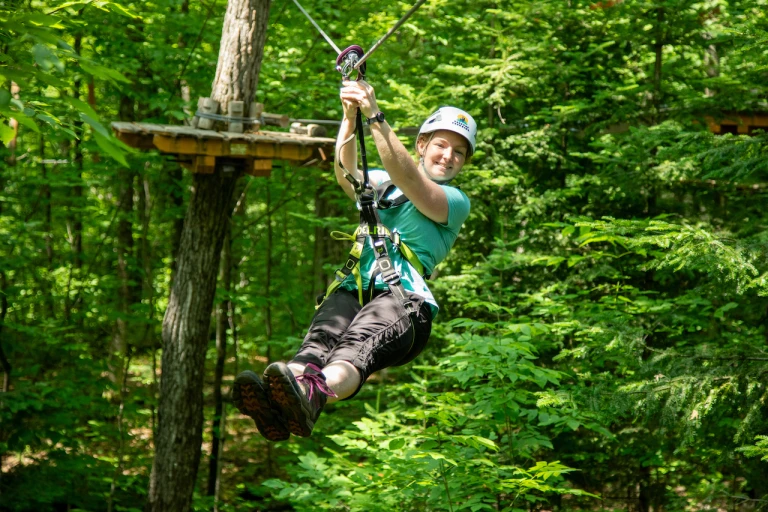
428,137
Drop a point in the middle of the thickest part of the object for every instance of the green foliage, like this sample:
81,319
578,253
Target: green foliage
603,312
759,449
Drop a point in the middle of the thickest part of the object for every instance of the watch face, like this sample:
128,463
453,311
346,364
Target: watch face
380,116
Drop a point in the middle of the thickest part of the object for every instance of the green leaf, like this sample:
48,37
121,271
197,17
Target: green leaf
110,149
6,133
40,19
46,59
23,120
121,9
396,444
83,107
720,313
97,126
103,72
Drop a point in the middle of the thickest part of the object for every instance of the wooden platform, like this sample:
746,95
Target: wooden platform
741,123
199,150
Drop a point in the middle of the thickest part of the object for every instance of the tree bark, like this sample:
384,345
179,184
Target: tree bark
222,322
77,190
47,228
177,199
658,50
187,319
3,312
241,51
185,339
126,273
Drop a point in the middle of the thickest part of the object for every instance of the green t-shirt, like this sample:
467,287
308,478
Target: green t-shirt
430,240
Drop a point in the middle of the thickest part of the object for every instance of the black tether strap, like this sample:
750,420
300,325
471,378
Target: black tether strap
363,157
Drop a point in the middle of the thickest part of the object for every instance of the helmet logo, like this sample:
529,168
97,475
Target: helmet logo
462,121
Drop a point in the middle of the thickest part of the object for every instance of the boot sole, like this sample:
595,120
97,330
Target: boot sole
283,394
252,399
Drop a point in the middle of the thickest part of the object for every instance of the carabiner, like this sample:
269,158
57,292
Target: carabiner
348,59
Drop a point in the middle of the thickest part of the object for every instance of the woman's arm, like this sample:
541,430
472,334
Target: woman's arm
428,197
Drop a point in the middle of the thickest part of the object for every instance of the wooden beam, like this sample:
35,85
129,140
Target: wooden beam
204,164
260,168
136,140
236,148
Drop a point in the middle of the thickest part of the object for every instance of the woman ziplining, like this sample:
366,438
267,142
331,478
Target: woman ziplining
378,311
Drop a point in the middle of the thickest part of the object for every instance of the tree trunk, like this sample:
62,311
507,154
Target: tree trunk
47,229
77,190
126,277
3,312
177,199
6,365
187,319
222,322
241,51
658,50
185,339
46,190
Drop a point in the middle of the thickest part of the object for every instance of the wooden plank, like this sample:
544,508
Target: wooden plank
194,146
260,168
136,140
187,131
204,164
280,120
209,107
255,113
235,109
123,127
760,120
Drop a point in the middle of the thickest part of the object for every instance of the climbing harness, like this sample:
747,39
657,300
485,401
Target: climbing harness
369,198
372,228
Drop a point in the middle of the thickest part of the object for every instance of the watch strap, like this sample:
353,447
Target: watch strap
377,118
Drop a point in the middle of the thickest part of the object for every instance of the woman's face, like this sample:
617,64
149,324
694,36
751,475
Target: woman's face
444,155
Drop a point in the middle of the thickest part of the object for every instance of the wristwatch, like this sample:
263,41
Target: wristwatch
378,118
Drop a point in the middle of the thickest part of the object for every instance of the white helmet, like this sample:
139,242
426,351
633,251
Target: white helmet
453,119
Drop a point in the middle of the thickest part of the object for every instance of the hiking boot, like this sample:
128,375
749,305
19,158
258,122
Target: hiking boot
300,399
251,397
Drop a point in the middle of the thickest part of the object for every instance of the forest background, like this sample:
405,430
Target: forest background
602,340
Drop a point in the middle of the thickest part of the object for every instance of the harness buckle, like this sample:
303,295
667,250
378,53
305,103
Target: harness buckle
396,238
357,184
391,278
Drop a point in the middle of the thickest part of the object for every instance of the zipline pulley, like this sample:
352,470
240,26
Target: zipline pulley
348,60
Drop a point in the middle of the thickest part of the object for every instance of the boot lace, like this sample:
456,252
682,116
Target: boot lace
314,381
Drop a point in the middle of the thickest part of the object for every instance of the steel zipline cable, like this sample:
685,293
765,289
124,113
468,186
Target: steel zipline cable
376,45
353,59
317,27
391,31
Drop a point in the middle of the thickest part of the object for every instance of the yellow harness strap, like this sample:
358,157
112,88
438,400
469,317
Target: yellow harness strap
356,252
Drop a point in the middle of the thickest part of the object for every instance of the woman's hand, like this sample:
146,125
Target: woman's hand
358,94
